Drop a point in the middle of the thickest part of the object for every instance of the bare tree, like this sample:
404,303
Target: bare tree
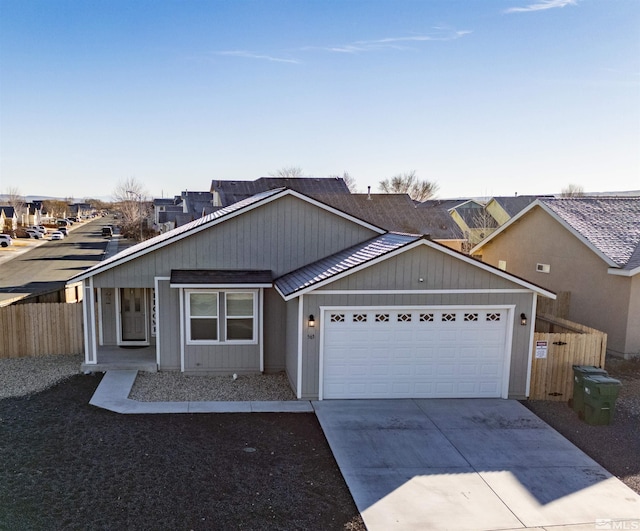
55,208
408,183
348,180
572,190
288,172
17,201
133,203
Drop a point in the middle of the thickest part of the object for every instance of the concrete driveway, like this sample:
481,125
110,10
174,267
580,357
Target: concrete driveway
468,464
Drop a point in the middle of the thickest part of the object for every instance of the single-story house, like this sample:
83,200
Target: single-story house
588,246
283,282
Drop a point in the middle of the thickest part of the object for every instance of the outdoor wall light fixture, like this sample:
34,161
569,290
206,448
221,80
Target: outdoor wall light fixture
523,319
312,321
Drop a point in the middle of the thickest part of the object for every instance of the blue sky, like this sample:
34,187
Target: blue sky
490,97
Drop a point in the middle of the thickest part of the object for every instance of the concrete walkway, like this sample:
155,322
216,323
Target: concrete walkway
113,391
468,465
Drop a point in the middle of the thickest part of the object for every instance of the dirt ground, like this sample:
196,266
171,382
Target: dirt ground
67,465
616,446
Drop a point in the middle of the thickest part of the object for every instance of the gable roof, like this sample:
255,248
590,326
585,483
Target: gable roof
233,191
475,215
396,213
363,255
514,204
609,226
327,268
205,222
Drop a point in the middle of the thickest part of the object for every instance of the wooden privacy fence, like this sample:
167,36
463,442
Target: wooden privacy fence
40,329
558,345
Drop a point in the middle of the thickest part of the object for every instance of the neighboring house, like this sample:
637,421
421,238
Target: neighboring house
442,227
8,219
502,209
171,213
80,210
399,213
587,246
227,193
283,282
474,220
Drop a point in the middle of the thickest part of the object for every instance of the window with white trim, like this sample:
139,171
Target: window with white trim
219,316
202,315
240,316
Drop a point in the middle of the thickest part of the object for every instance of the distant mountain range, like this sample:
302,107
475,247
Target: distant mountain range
29,198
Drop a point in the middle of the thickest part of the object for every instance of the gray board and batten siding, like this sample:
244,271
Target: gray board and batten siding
439,271
278,236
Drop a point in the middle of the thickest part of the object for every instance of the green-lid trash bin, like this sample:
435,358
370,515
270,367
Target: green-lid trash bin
579,373
600,394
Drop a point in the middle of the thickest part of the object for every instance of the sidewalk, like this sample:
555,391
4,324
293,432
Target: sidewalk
114,389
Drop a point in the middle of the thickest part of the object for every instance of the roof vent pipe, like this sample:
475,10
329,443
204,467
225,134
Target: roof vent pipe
368,193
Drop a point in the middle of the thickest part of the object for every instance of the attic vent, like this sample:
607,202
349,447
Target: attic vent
543,268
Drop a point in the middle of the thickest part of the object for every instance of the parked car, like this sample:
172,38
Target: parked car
57,235
38,228
63,230
63,223
5,240
34,233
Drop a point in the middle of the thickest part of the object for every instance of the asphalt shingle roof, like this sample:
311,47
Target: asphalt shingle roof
342,261
611,225
233,191
397,213
514,204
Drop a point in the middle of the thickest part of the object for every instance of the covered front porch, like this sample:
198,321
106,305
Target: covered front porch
112,357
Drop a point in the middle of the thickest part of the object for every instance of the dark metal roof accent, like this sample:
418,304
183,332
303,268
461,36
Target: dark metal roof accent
342,261
220,277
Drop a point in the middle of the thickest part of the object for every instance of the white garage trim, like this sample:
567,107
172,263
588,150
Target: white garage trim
509,320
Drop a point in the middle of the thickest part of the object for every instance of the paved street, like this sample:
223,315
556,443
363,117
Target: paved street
47,265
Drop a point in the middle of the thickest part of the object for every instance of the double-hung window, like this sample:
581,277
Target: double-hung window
240,316
202,309
219,316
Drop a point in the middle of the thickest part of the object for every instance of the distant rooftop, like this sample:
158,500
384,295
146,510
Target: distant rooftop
231,192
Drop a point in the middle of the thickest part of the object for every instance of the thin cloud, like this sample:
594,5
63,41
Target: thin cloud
261,57
393,43
542,5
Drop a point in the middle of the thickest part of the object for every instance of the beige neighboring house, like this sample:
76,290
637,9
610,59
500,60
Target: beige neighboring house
587,246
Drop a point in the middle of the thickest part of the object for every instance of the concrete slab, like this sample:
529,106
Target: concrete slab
487,449
478,413
413,499
541,496
113,392
404,448
488,464
371,414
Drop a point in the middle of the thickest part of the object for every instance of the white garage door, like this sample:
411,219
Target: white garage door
414,353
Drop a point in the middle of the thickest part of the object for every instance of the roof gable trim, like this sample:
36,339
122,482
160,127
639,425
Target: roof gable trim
412,245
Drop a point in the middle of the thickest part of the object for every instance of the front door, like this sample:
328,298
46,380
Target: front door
133,314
